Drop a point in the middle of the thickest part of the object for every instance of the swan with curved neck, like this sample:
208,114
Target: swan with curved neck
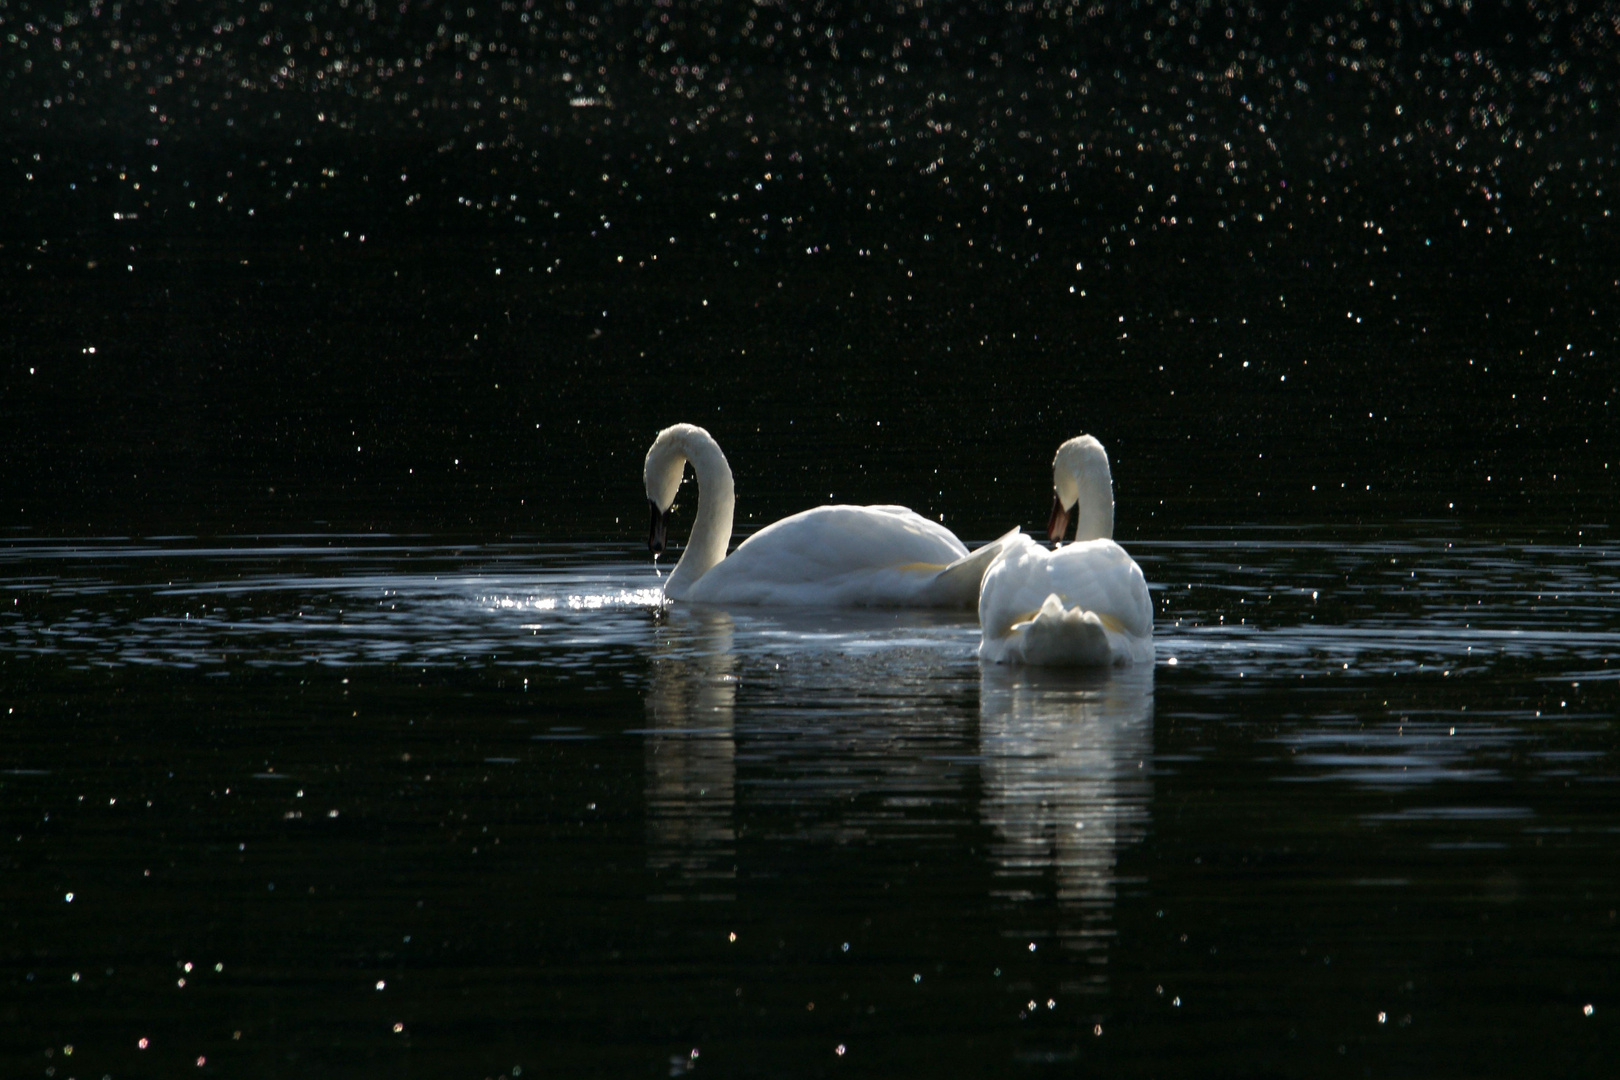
1081,604
717,500
842,556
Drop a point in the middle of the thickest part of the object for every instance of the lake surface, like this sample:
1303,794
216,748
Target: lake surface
330,805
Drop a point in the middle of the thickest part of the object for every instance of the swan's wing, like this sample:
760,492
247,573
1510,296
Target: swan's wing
958,584
1084,604
834,539
1096,576
835,555
1012,590
1099,576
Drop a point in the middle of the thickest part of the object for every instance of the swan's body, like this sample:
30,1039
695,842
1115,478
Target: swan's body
837,556
1082,604
846,556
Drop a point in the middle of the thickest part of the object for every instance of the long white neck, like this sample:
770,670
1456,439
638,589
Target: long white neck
1083,480
1095,512
717,499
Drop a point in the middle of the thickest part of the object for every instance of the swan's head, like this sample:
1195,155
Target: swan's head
666,464
658,531
1084,488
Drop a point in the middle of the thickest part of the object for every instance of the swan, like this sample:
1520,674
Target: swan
1080,604
835,556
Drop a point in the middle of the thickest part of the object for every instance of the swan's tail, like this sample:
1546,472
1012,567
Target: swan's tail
1066,637
958,584
1058,636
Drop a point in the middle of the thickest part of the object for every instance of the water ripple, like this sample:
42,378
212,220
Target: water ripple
1243,607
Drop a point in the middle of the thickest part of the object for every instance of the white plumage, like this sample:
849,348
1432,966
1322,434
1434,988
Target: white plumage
839,556
1082,604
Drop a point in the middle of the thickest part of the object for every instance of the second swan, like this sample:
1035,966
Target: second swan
836,556
1083,604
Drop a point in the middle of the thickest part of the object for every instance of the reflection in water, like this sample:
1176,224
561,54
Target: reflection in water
691,757
1065,785
1451,708
350,601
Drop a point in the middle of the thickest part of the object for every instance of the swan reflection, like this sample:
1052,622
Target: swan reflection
1065,787
691,758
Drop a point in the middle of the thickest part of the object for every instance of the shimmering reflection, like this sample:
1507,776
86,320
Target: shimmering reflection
854,729
1403,752
549,786
1295,603
346,601
691,757
1066,785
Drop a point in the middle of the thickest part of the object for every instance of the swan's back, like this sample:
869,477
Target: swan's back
1095,576
834,555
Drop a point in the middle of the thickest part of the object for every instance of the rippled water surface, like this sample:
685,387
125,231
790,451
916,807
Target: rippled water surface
333,805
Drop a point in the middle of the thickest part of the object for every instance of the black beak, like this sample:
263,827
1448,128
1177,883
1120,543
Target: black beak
1058,523
660,525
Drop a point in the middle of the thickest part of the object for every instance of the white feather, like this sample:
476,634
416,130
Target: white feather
837,556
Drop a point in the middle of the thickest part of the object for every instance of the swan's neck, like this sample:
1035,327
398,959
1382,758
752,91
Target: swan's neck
1083,480
717,504
1094,513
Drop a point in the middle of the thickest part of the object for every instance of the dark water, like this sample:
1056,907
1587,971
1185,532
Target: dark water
1360,815
331,339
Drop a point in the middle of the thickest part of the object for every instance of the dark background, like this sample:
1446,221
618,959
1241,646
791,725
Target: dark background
1340,263
1336,264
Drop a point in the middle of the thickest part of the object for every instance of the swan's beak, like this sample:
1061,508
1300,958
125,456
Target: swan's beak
660,525
1058,524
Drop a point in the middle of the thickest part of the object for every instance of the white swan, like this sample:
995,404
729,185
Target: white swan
842,556
1080,604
